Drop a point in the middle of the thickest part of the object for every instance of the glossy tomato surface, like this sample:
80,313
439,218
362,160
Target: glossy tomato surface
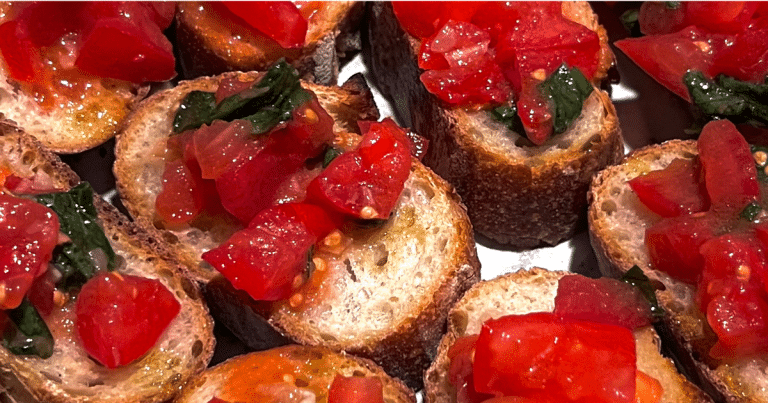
673,191
355,389
280,20
120,317
28,233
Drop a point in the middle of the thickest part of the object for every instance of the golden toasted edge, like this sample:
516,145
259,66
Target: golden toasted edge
394,389
205,52
26,384
508,202
614,260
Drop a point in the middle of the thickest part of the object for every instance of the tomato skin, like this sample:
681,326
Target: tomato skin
279,20
265,258
730,177
673,191
355,389
602,300
740,320
532,356
460,372
181,199
120,317
673,244
28,234
370,177
21,57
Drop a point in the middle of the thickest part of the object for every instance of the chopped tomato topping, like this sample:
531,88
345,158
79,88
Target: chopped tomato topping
29,232
355,389
673,244
460,373
120,317
673,191
266,258
534,355
649,389
366,182
280,20
602,300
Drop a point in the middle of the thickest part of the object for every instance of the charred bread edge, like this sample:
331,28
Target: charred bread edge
319,61
688,347
437,386
26,385
394,389
546,203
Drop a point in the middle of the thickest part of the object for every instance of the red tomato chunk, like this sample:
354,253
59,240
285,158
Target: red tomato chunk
355,389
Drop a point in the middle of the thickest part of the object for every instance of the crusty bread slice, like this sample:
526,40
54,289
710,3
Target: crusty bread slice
308,373
385,297
534,290
70,375
516,194
210,43
617,221
69,126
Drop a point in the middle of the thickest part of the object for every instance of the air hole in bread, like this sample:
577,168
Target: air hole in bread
564,143
327,338
348,266
301,383
95,382
380,254
28,158
53,377
460,320
443,244
164,272
170,238
197,348
615,191
358,373
394,299
608,206
189,289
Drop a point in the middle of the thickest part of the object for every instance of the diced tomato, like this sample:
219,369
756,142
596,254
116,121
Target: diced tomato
181,200
543,355
279,20
730,177
673,244
740,320
535,111
423,18
231,85
265,258
659,17
745,56
20,55
602,300
137,54
517,399
674,190
29,232
356,389
40,295
666,58
460,373
366,182
649,389
120,317
720,16
734,261
218,145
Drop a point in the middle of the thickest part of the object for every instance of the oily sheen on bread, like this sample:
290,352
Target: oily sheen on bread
384,297
307,372
210,43
534,290
517,195
69,375
618,221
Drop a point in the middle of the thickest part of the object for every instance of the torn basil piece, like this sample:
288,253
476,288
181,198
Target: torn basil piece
266,104
751,211
726,97
637,278
567,88
508,116
78,220
27,334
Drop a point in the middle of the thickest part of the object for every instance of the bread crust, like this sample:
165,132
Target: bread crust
68,376
325,364
617,223
428,235
521,202
528,291
209,45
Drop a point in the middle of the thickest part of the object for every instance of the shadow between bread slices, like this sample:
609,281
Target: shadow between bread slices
618,221
517,195
211,41
69,374
384,297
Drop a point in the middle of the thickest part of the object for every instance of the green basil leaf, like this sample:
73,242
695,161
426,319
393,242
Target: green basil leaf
28,334
330,154
266,104
568,89
751,211
507,115
631,22
637,278
729,98
78,220
672,5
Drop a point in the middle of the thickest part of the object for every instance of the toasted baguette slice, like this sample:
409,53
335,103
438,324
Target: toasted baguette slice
529,291
617,221
517,195
183,350
385,297
307,372
70,126
211,42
